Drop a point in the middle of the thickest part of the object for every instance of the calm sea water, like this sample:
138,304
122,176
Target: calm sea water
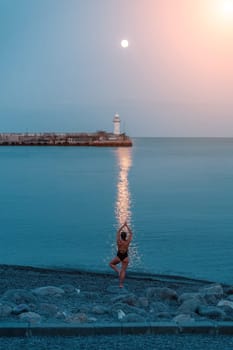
61,206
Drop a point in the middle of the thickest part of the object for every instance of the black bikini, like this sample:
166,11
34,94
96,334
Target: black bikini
122,256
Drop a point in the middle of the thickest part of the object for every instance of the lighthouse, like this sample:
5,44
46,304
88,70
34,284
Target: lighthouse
117,124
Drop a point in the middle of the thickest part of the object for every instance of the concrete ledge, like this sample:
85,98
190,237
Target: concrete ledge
14,330
225,328
141,328
108,328
164,328
63,330
204,327
25,330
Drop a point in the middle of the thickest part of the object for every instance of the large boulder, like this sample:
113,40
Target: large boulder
163,316
151,292
143,302
5,310
225,303
167,294
126,309
77,318
161,293
48,310
226,306
189,306
212,312
99,310
187,296
214,289
48,291
19,296
30,317
69,289
212,293
229,290
19,309
129,299
158,307
183,318
230,297
133,318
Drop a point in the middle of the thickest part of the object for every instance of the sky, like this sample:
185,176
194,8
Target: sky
62,67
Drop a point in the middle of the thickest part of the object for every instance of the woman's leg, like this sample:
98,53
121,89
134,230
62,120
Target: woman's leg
113,264
124,266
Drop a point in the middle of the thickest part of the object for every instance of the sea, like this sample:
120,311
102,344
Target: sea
60,207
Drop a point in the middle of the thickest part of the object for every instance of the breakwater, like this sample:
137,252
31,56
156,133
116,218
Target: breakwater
98,139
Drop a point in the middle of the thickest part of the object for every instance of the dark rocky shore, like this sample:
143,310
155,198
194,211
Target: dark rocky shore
39,296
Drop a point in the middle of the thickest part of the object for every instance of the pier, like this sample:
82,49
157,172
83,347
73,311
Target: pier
98,139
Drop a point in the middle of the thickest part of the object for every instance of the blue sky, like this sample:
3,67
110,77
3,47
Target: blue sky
62,67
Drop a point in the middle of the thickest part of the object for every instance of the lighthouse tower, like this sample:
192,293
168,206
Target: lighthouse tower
117,124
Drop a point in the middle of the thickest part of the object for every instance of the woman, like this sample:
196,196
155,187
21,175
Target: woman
123,241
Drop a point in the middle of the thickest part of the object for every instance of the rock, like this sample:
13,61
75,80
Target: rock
48,291
158,307
189,306
225,303
187,296
30,317
162,293
5,310
129,299
163,315
228,312
214,290
20,308
229,290
230,297
77,318
120,314
127,309
83,309
183,318
143,302
150,292
133,318
69,289
212,294
99,310
212,312
61,315
168,294
212,299
227,307
19,296
48,310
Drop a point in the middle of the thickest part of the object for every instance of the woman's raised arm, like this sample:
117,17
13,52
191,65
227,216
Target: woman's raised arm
119,231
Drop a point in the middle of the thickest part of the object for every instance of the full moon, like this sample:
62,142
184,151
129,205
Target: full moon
124,43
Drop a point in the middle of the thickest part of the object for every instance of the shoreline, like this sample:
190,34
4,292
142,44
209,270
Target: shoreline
132,275
70,297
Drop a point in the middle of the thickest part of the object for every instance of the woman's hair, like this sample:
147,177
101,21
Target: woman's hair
123,235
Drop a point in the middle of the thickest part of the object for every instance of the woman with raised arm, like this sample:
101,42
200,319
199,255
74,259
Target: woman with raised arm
123,241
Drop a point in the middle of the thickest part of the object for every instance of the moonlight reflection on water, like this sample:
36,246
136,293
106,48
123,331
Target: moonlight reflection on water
123,201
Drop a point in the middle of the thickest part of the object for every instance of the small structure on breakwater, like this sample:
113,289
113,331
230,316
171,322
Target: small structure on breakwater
99,138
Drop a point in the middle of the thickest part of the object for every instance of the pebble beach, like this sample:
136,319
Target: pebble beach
39,296
42,296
